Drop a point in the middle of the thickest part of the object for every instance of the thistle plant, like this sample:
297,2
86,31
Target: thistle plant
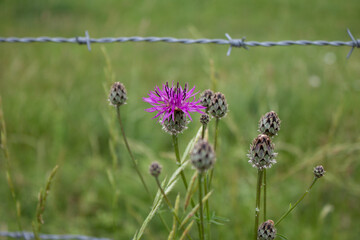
155,170
269,124
318,173
218,109
261,156
203,159
204,120
117,98
173,105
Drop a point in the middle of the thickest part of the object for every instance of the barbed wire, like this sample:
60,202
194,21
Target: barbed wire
238,43
30,235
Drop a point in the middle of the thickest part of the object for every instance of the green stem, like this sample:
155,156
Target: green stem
257,207
170,205
298,201
203,131
207,208
129,150
216,132
3,146
201,207
264,200
215,144
177,154
163,193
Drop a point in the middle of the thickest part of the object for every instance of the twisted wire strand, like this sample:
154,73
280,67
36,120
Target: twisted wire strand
239,43
82,40
30,235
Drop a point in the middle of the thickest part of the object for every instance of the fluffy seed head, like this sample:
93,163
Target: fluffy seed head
266,231
319,171
117,96
261,152
155,169
218,107
269,124
204,119
176,126
205,98
202,156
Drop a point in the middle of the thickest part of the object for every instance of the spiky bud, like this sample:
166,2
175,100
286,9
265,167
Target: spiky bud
176,126
319,171
218,107
206,98
261,152
266,231
117,96
204,119
155,169
269,124
202,156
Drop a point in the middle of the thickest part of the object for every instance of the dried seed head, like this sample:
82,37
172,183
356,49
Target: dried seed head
205,98
266,231
204,119
117,96
269,124
218,107
176,126
155,169
261,152
202,156
319,171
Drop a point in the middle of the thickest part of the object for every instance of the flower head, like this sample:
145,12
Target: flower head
269,124
202,156
168,100
155,169
218,107
262,153
117,96
266,231
319,171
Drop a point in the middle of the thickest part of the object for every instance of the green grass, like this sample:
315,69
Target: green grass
56,111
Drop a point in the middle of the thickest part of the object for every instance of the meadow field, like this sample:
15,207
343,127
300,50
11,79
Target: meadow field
54,99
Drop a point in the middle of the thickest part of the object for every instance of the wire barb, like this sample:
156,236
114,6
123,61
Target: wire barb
356,43
235,43
84,40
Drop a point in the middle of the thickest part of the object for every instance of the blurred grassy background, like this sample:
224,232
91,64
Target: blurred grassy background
57,112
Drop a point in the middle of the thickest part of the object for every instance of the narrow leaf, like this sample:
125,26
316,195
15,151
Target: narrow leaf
195,209
187,229
190,190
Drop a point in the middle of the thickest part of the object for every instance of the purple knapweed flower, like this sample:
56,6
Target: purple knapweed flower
168,100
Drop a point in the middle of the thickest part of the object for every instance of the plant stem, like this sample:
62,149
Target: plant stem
129,150
201,206
177,154
298,201
134,161
203,131
264,198
216,132
169,204
207,207
215,144
3,146
257,207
